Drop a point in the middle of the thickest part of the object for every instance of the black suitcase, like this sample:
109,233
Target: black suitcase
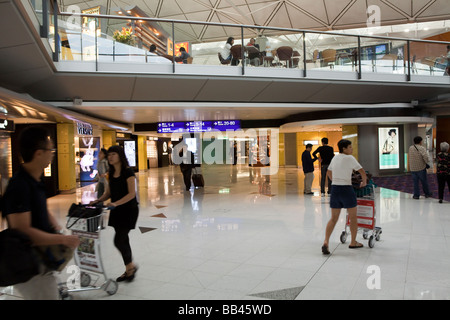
197,179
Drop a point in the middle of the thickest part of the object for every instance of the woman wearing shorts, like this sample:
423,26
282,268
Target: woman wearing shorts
342,194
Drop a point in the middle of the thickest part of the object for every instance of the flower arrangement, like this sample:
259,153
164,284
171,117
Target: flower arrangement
125,36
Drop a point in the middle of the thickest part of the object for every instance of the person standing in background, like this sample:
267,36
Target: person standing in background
308,169
417,165
326,155
102,172
443,169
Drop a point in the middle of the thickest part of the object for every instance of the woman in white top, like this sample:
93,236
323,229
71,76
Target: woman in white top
226,50
342,194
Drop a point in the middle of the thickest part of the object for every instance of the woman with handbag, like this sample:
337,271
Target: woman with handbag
124,206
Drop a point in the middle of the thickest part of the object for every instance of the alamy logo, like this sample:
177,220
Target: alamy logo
73,281
374,280
374,16
74,21
262,146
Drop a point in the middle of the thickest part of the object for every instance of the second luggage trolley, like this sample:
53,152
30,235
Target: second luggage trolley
87,223
366,215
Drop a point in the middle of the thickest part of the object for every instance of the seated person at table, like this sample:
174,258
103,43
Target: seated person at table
253,55
183,56
225,53
153,57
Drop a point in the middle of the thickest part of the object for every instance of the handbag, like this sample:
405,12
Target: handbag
55,257
18,260
79,217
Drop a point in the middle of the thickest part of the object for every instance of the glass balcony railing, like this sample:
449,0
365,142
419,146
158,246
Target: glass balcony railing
128,40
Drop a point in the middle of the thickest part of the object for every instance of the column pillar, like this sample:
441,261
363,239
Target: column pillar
351,133
109,138
66,157
142,153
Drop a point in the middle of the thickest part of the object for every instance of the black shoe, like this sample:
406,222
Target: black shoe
132,275
417,198
440,200
428,195
123,277
325,250
127,277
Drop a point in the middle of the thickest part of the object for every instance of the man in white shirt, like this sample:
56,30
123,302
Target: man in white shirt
342,194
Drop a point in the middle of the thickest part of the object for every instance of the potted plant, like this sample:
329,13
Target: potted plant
125,36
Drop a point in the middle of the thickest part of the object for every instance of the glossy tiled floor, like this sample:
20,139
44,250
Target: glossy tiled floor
247,236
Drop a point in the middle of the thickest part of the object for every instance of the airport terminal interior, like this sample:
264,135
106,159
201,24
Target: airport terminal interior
247,86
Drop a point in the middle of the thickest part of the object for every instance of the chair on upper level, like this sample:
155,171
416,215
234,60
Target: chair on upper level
295,58
236,53
285,53
329,58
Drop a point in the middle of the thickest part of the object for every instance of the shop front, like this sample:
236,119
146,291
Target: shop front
6,130
13,161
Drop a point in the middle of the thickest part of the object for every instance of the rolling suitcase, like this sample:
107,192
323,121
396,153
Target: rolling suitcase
197,179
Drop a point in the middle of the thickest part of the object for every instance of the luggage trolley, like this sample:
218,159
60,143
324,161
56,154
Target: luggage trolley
366,215
88,255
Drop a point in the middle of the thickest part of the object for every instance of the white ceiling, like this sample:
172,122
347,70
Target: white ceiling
298,14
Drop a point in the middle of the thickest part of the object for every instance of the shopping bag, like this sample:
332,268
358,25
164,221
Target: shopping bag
18,261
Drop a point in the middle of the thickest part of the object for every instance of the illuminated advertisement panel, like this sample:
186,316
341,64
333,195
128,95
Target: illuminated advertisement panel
388,148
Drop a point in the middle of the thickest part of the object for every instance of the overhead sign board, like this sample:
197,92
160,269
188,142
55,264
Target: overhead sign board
198,126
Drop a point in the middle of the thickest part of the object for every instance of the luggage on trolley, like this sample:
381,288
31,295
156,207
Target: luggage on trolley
366,215
87,222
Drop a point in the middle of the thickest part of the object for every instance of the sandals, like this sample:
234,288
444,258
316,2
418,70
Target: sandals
358,245
326,251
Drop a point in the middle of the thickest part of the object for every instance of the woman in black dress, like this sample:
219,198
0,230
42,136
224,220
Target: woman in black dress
125,210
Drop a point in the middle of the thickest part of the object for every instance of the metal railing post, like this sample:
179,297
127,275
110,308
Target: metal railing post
57,38
44,27
359,59
114,51
408,48
173,47
304,54
242,51
96,45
